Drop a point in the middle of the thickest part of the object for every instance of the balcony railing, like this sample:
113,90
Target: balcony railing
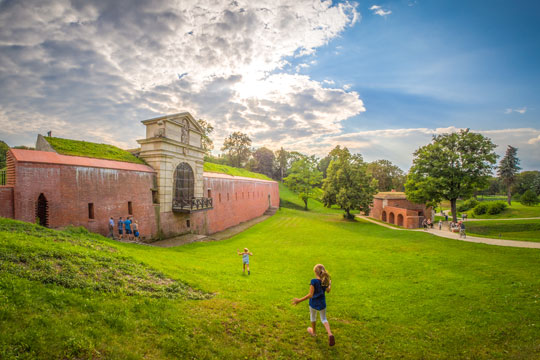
3,177
192,205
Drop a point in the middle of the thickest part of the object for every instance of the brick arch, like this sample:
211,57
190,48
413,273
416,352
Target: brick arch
400,220
42,210
384,216
391,218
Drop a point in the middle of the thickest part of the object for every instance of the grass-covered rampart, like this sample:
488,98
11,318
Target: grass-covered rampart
229,170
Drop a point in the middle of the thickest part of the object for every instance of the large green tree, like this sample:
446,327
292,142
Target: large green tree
206,142
303,178
452,166
347,183
388,175
508,169
527,180
282,161
238,148
3,153
264,161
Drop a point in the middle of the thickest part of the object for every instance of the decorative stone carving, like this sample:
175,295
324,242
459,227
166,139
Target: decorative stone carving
185,132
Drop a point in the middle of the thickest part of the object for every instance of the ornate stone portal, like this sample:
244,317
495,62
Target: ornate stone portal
173,148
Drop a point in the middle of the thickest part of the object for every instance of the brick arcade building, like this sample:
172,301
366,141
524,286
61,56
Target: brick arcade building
394,208
171,195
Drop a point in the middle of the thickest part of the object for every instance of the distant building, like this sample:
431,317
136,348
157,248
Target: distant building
169,196
394,208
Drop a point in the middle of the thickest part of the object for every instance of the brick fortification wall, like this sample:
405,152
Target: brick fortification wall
6,201
235,200
70,189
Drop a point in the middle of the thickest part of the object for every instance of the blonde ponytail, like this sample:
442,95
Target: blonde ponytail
323,274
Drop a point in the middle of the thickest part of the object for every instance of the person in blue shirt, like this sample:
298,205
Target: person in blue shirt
317,301
127,225
120,228
245,258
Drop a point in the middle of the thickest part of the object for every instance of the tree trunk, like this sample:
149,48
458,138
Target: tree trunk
509,196
305,203
453,209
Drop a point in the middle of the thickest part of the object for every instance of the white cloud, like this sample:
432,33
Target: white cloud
99,67
534,140
378,10
522,110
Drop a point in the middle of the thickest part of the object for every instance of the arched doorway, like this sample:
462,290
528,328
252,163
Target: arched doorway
184,183
391,218
384,216
400,220
42,210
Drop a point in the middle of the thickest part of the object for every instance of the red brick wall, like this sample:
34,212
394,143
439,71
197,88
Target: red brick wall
69,189
6,201
241,200
408,210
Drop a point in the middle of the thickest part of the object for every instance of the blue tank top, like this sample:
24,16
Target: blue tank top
318,301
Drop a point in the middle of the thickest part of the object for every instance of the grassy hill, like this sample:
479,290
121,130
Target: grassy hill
70,294
93,150
229,170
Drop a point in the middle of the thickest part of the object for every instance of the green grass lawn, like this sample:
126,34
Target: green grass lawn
516,210
395,294
229,170
524,230
93,150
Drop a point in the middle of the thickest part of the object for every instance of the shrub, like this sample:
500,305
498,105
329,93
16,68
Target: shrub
481,209
529,198
496,207
467,205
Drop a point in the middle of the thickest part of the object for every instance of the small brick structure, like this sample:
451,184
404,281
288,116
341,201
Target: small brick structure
394,208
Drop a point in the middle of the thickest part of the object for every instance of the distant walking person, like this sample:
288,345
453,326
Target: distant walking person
317,301
135,227
245,258
111,228
440,224
462,230
127,225
120,228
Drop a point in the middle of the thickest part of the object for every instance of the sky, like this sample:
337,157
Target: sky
380,77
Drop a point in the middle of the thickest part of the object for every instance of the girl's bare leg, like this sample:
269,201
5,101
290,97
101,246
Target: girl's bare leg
327,327
311,330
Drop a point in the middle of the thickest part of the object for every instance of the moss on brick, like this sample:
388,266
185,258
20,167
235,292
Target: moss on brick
90,149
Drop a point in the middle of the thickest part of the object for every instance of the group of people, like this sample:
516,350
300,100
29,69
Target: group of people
128,228
426,223
318,287
459,226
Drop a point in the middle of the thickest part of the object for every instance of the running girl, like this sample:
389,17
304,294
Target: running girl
245,258
317,301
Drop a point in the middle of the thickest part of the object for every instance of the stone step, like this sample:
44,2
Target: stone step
271,211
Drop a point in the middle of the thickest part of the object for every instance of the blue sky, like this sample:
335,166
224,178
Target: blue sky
378,77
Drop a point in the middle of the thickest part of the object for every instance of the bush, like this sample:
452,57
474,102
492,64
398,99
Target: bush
467,205
529,198
481,209
496,207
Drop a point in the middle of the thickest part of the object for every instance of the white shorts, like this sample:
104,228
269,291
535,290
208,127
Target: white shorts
313,315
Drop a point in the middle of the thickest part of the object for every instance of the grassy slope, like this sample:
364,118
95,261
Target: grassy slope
89,149
224,169
524,230
516,210
395,294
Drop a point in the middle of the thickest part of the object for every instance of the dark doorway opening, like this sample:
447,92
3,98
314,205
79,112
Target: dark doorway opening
42,211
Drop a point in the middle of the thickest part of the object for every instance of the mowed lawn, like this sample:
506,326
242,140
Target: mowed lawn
394,295
524,230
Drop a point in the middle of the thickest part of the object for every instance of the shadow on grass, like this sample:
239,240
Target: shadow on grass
290,205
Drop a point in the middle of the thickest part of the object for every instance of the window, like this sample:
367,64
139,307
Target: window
184,182
188,223
227,196
90,210
155,197
130,208
209,193
219,197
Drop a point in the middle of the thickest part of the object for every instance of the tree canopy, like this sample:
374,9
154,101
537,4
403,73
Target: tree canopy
303,178
206,142
264,161
508,168
452,166
347,183
238,148
3,153
389,176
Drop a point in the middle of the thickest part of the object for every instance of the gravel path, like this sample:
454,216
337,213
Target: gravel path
449,235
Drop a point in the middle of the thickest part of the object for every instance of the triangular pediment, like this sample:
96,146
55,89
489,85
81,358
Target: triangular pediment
179,119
